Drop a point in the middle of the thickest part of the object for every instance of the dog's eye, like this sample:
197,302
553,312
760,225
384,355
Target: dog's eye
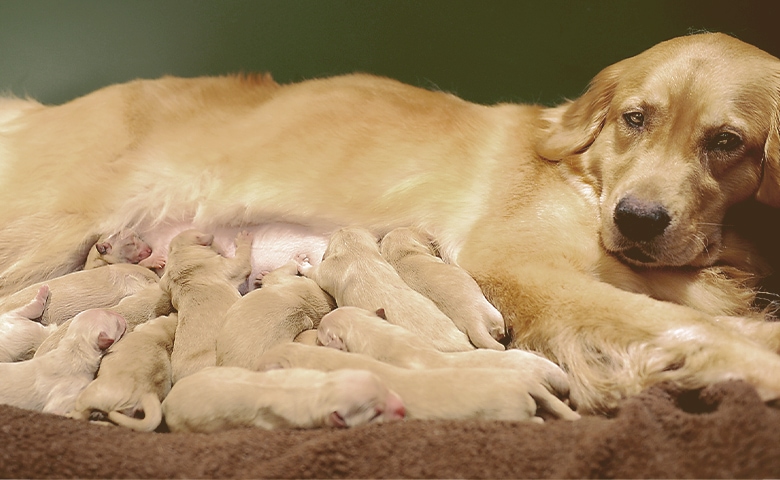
634,119
725,142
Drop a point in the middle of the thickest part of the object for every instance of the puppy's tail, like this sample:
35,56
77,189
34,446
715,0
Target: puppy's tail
152,415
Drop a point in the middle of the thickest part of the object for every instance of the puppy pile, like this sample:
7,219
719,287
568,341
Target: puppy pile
373,332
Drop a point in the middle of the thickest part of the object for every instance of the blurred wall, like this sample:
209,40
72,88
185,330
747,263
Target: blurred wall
486,51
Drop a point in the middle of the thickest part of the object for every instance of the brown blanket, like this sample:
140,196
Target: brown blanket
724,431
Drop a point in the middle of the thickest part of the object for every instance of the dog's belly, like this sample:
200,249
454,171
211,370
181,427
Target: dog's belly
273,244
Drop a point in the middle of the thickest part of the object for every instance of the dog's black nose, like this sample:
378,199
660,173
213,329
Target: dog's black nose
639,221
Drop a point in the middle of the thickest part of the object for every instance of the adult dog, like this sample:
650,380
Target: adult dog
594,227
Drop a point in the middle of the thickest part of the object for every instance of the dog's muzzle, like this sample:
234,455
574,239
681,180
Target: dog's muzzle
640,223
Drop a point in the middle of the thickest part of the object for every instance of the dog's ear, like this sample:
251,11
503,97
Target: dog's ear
769,190
572,127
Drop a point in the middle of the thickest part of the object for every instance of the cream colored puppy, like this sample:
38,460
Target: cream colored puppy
134,376
356,330
78,291
51,383
123,247
354,273
286,305
220,398
441,393
142,306
450,287
20,332
202,285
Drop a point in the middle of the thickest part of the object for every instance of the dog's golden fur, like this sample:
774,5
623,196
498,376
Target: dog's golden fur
521,196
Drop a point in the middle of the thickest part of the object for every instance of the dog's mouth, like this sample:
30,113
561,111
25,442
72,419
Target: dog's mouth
636,256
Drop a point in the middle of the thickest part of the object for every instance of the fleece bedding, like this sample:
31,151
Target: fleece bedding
723,431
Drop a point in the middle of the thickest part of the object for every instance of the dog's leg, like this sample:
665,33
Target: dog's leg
614,343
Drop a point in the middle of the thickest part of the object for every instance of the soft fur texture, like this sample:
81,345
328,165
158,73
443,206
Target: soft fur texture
20,332
52,382
353,329
442,393
524,198
134,376
286,305
451,288
355,274
202,285
222,398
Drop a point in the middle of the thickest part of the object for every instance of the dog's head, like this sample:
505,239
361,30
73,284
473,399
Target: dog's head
668,140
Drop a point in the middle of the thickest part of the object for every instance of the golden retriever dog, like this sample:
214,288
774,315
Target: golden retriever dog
202,285
51,383
134,376
221,398
286,305
71,294
455,293
594,227
20,331
353,329
354,273
451,393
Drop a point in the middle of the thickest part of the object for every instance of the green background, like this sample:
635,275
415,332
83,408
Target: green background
485,51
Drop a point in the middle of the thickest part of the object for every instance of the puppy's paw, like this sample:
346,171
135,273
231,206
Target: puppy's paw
154,261
258,282
304,264
327,338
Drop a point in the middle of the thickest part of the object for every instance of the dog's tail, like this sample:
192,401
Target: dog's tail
152,415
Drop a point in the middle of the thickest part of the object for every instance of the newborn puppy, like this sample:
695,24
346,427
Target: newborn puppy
78,291
220,398
146,304
441,393
286,305
134,376
354,273
450,287
123,247
20,333
356,330
51,383
202,285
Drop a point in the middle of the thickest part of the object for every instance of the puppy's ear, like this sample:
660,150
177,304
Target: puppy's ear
769,190
205,239
572,127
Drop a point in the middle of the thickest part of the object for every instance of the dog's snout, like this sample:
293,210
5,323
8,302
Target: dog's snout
639,221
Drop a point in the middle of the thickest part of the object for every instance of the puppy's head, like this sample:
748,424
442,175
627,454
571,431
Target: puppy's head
357,397
667,140
98,327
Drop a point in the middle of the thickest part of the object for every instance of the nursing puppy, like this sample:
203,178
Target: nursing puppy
123,247
20,332
51,383
450,287
356,330
285,305
220,398
202,285
354,273
573,220
134,376
441,393
73,293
